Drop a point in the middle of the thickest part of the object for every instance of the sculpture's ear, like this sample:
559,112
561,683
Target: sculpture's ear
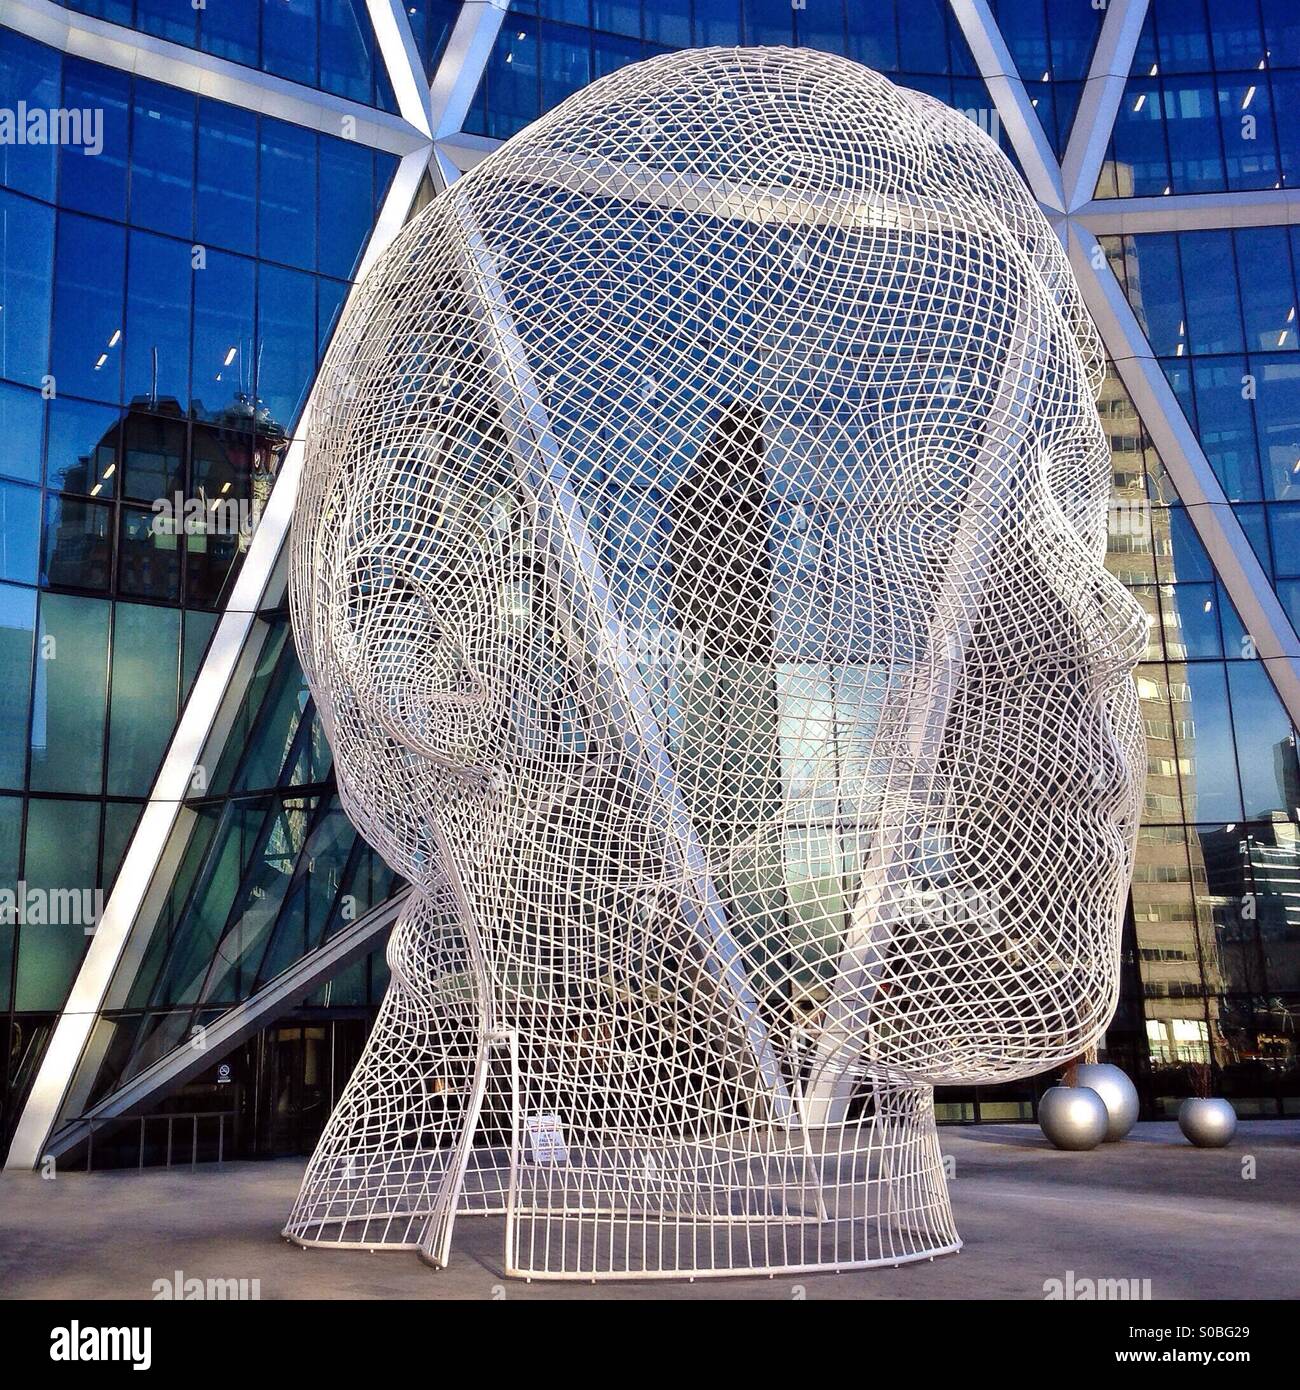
412,577
403,642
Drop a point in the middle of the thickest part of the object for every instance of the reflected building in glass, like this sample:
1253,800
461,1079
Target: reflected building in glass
166,303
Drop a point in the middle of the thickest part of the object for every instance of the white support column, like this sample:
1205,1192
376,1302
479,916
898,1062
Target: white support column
1207,505
1269,207
1014,107
401,56
1099,104
468,48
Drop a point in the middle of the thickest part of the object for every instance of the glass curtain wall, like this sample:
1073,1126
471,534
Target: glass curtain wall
169,284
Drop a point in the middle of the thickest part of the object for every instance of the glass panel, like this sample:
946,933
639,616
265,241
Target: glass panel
1192,622
60,862
142,698
226,204
566,63
315,891
20,529
230,30
120,821
86,354
157,367
1188,558
1266,753
345,205
81,453
198,630
1225,426
1211,792
1284,533
289,39
149,551
223,344
1267,288
21,426
820,25
17,628
78,546
1192,128
286,328
1155,291
667,22
261,895
1277,422
346,43
26,249
769,22
153,457
1184,44
511,80
873,35
71,687
1141,156
168,20
1209,273
922,40
96,183
162,159
1236,39
277,722
287,194
204,920
1246,116
29,72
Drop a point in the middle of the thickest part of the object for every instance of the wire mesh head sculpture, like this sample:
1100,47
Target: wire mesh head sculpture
699,570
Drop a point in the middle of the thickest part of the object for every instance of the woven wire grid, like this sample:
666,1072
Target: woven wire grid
699,570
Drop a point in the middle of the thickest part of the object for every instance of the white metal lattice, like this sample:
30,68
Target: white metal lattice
698,567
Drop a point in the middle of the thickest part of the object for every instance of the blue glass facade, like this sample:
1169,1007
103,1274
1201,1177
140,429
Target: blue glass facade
1210,103
167,298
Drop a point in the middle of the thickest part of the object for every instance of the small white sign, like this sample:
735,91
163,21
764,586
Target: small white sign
546,1138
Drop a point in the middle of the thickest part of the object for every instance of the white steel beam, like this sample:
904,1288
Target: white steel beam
401,58
1014,107
1189,212
1094,120
288,989
468,48
190,69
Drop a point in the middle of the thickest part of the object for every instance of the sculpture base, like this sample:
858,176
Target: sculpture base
868,1191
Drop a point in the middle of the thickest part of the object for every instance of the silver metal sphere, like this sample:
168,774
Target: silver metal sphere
1209,1124
1073,1117
1117,1092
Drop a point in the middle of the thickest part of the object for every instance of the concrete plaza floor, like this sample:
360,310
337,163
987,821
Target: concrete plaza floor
1150,1208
